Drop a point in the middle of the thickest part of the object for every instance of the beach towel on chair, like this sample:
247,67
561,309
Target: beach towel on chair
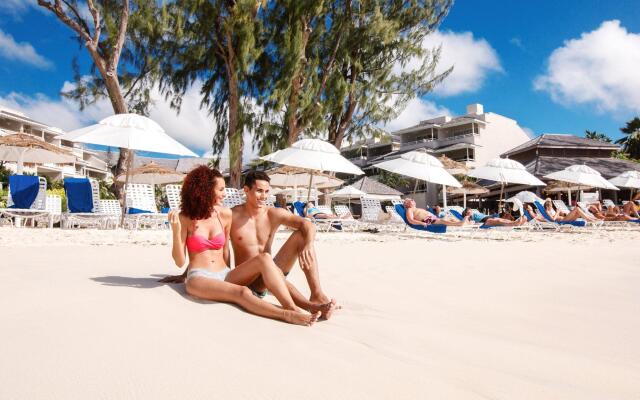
79,197
24,190
429,228
299,206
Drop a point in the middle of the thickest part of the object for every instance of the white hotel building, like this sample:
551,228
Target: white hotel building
86,163
473,139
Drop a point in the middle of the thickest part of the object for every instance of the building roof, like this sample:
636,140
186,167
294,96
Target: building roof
456,121
372,186
18,116
554,140
608,167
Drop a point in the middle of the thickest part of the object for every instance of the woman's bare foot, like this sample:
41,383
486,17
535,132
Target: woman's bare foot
326,309
300,318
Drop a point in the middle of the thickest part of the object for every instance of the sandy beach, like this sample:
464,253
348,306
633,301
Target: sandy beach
544,316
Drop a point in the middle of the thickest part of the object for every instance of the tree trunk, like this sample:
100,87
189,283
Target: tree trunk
236,142
293,125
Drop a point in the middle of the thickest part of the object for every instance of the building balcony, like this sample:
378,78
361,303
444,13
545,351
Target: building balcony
434,144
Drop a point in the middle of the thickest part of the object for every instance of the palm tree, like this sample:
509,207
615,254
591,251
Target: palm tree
631,142
597,136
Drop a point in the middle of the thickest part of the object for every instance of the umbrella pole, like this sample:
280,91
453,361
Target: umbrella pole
500,201
309,191
126,183
444,196
464,200
569,197
20,166
415,188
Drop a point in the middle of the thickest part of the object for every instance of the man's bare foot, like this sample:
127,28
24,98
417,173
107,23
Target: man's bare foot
300,318
173,279
325,309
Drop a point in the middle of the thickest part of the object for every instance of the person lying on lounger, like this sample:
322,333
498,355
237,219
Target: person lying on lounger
311,211
201,230
572,215
480,218
420,216
612,213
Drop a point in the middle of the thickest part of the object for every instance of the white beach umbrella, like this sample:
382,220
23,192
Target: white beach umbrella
505,171
131,132
313,155
288,177
22,148
422,166
582,175
348,192
628,179
525,197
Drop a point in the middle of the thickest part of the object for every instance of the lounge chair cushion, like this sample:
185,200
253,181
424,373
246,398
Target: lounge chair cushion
299,206
79,197
456,214
546,216
24,190
429,228
133,210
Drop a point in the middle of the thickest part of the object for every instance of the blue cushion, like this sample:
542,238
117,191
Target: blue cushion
24,190
133,210
299,206
79,197
429,228
165,210
456,214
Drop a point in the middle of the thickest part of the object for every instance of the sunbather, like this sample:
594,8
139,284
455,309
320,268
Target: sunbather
420,216
572,215
488,220
208,275
612,213
311,211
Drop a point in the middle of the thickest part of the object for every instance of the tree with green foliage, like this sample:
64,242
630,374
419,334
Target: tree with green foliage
631,142
120,70
338,68
597,136
214,42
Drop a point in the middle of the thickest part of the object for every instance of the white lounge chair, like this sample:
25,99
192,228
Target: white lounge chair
54,207
233,198
113,212
327,223
141,197
371,212
346,217
173,196
38,207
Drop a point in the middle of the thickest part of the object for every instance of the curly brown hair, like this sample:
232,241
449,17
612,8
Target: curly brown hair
197,192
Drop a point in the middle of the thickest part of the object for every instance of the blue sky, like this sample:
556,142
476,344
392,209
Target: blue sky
554,66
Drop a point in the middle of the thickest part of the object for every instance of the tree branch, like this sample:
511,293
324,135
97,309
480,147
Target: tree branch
122,34
57,10
96,20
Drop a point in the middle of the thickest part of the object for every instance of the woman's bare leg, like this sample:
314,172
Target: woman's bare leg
211,289
505,222
630,209
442,221
263,266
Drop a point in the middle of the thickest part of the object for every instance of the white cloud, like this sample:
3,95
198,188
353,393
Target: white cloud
600,68
193,127
473,60
22,52
417,110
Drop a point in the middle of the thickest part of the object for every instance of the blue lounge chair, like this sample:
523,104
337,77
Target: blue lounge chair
83,204
26,199
429,228
546,216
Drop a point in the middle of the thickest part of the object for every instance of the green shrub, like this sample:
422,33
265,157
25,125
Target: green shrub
3,197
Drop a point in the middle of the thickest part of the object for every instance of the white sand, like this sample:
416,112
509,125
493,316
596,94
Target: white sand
544,317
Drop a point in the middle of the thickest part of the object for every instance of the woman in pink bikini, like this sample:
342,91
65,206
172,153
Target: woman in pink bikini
201,231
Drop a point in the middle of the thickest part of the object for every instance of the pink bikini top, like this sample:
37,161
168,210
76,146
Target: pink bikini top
198,243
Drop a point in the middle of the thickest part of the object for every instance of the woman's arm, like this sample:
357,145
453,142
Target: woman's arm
226,252
179,234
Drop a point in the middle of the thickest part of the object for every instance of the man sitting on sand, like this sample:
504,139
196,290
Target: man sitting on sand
253,228
420,216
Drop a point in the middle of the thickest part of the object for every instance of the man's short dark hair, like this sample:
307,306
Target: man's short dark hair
253,176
